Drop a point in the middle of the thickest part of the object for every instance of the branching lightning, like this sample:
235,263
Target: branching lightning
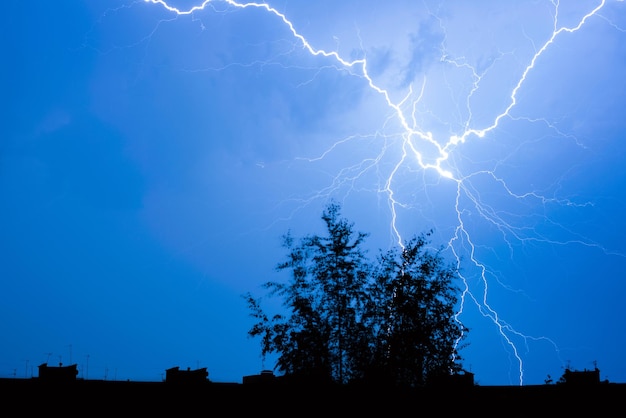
413,143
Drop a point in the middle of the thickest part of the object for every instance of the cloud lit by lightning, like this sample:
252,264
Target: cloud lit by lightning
436,147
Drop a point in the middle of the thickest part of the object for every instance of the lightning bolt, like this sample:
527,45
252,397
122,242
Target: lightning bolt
420,152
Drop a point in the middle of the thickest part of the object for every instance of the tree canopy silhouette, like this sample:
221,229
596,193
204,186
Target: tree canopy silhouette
349,319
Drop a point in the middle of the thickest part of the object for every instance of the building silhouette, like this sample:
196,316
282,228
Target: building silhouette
265,377
58,374
581,377
175,375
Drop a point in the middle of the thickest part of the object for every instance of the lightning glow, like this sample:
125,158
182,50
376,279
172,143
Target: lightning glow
420,151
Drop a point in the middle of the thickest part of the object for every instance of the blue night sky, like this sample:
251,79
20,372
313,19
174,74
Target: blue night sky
152,156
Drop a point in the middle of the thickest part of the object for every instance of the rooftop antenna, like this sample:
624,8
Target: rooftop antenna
48,357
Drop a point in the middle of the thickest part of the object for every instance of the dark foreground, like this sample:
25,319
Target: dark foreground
119,398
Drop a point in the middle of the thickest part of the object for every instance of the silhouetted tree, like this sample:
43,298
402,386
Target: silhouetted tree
411,314
300,338
348,320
